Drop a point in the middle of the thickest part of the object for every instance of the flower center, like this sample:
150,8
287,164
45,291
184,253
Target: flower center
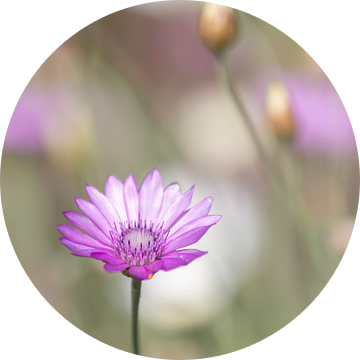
138,243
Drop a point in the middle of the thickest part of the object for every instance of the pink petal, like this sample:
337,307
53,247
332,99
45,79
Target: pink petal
151,197
114,192
197,211
176,209
131,198
94,214
86,224
171,194
180,258
189,238
109,259
140,272
115,268
103,204
85,252
76,236
73,246
208,220
81,250
155,266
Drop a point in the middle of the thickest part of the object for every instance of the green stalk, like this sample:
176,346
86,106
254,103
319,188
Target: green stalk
135,298
229,86
292,203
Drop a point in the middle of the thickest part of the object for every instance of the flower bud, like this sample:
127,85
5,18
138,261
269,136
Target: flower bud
278,111
218,26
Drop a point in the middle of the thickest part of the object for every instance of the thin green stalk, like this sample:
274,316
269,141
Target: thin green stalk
291,202
270,166
135,298
272,171
229,85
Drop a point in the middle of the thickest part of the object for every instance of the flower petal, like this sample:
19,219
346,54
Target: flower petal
155,266
109,259
140,272
197,211
180,258
81,250
94,214
115,268
176,209
103,204
73,246
86,224
131,198
189,238
171,194
114,192
76,236
208,220
151,197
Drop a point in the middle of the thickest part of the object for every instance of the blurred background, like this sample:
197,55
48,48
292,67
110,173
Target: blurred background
137,90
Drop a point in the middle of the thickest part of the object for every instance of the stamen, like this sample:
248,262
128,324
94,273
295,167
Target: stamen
129,242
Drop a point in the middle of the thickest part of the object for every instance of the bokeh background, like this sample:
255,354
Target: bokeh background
137,90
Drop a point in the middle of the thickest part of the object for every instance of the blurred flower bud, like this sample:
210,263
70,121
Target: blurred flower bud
218,26
278,111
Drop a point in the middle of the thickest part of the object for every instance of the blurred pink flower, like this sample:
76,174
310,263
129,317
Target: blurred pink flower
26,130
322,124
50,120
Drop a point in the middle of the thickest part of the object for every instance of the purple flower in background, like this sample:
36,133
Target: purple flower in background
321,116
138,232
48,120
26,130
322,124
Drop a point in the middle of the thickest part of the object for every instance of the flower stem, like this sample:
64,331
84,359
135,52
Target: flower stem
270,167
229,85
135,298
289,199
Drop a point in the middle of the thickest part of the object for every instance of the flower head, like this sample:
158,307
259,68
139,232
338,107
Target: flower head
320,121
138,232
218,26
278,111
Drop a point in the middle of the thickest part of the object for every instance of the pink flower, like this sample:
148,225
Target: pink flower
26,130
321,122
138,232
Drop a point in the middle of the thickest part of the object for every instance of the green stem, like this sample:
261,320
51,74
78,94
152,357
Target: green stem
291,202
271,169
229,85
135,298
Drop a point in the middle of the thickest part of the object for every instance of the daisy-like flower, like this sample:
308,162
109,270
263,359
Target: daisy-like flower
138,232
